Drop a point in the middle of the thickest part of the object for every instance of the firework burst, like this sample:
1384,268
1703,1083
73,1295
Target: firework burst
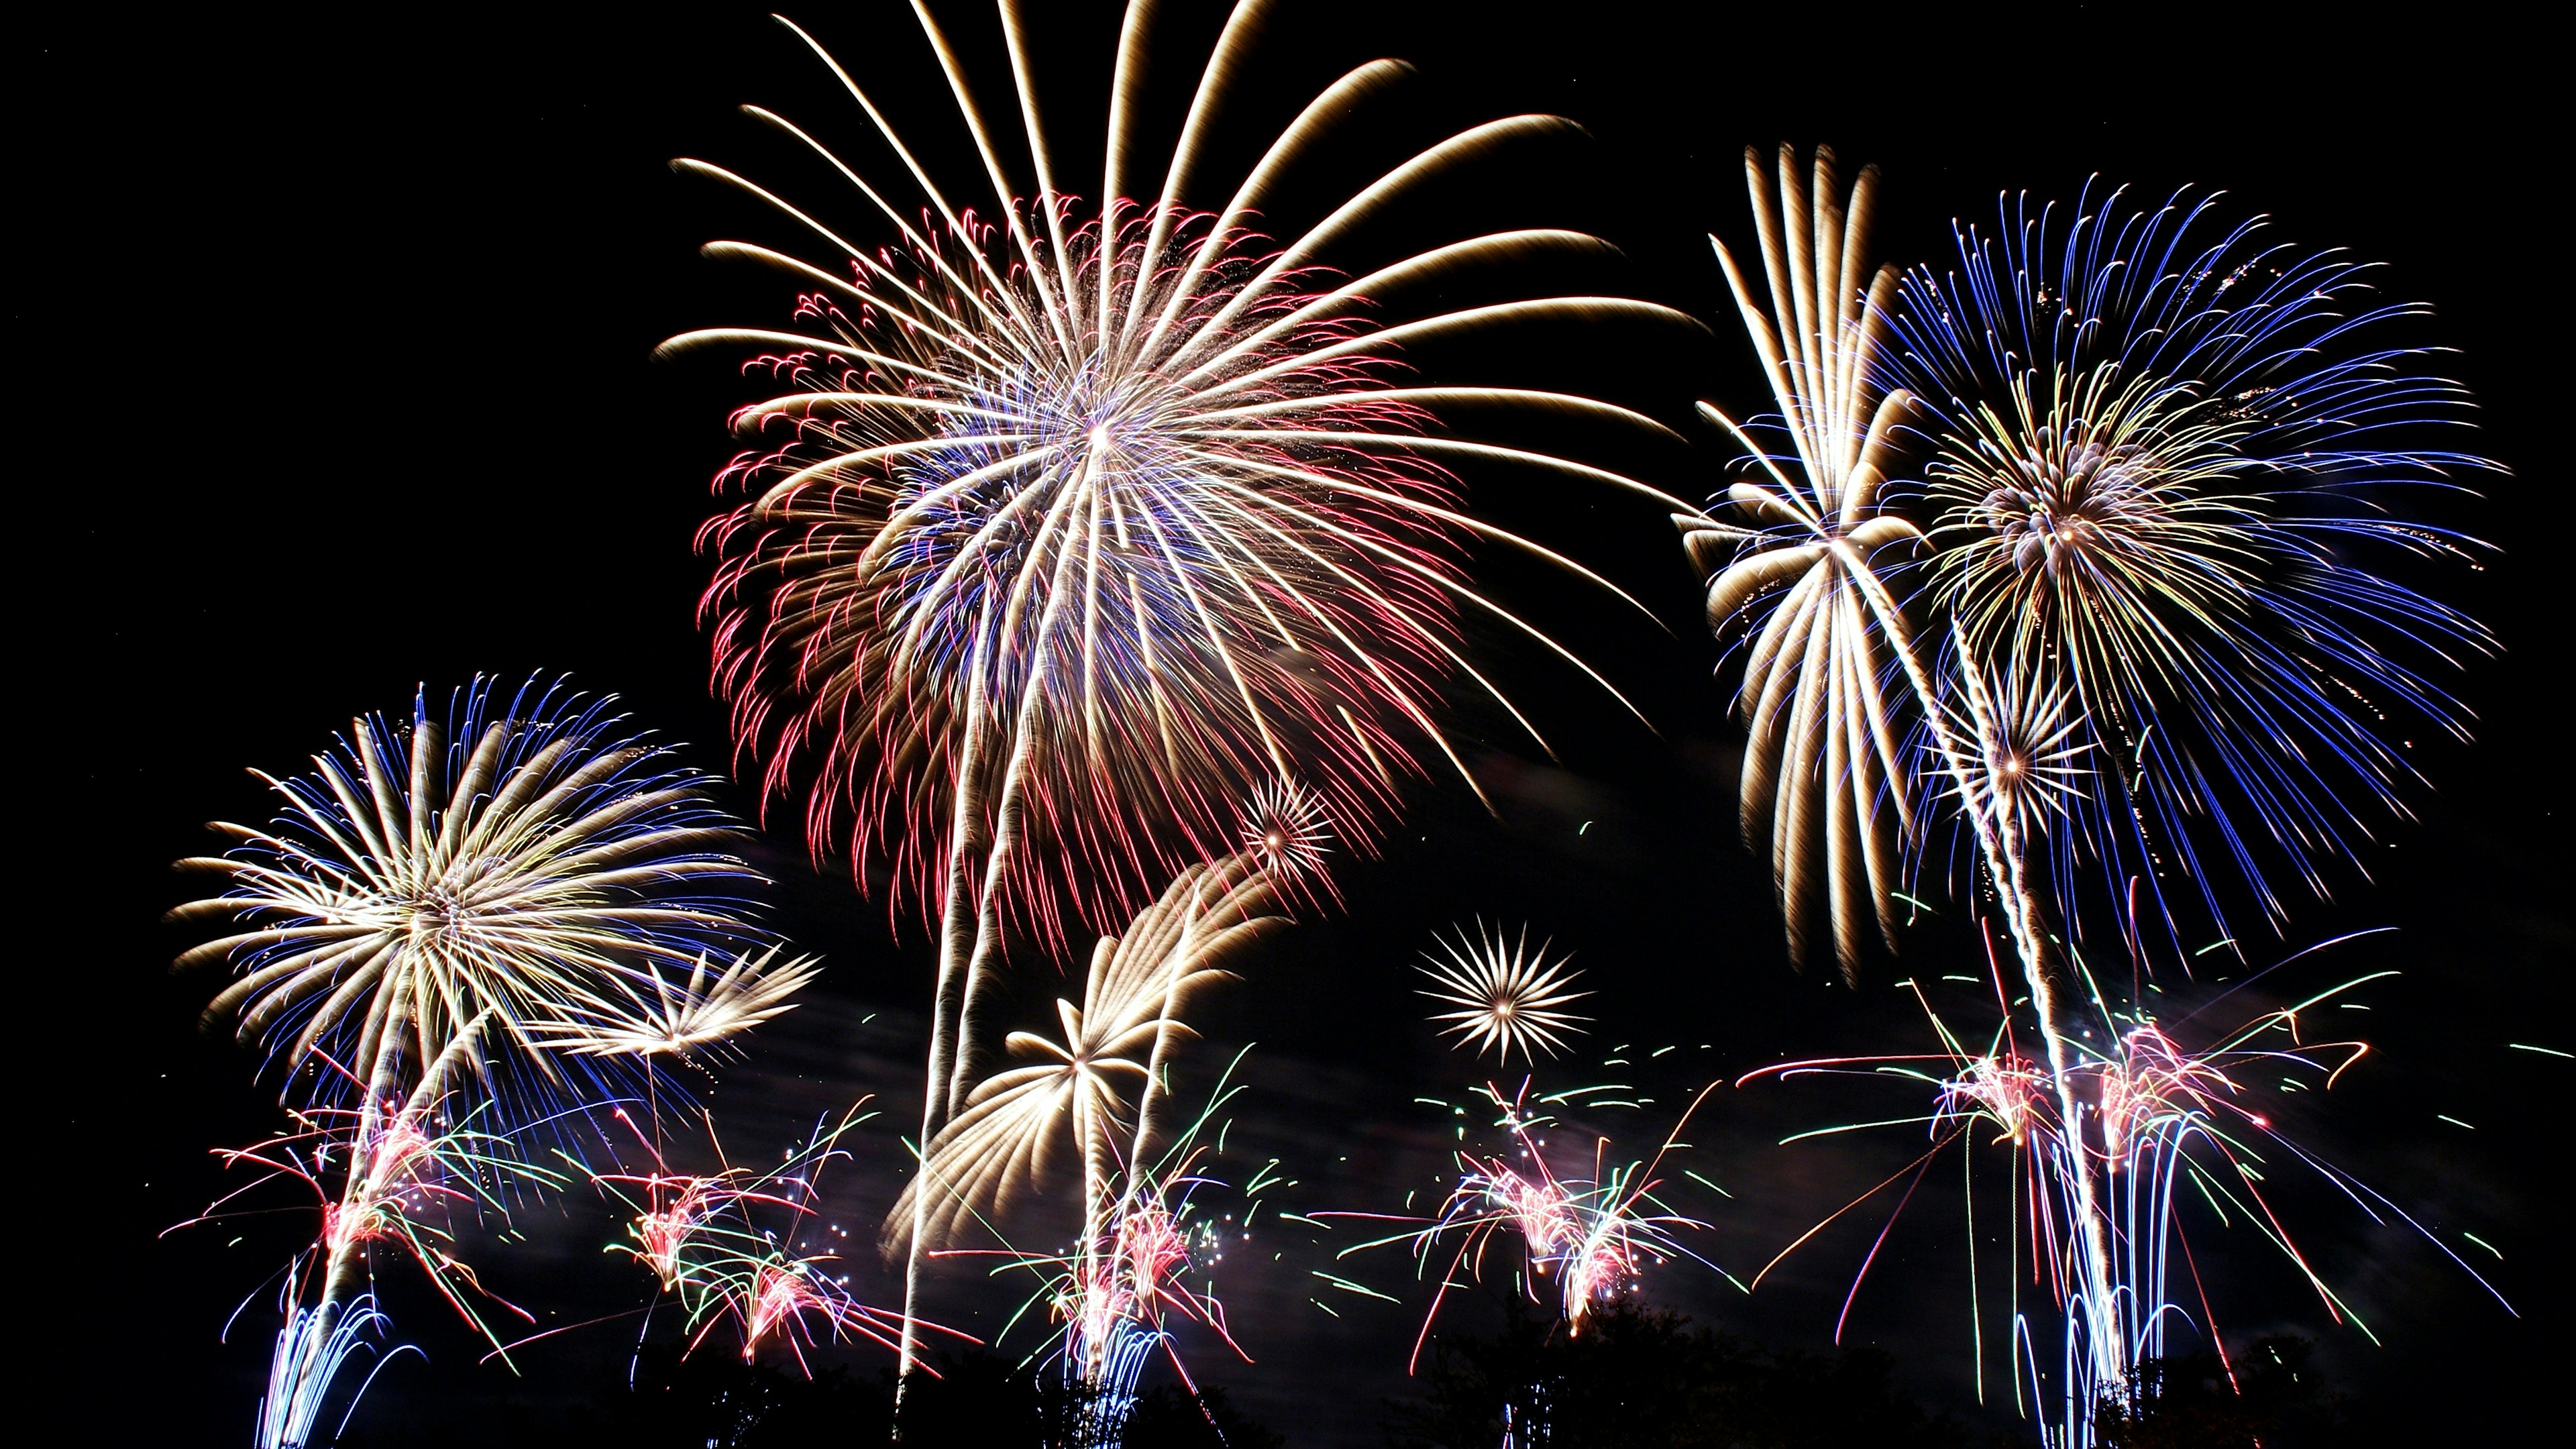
1082,530
537,875
1825,776
1509,996
731,1246
2029,748
1288,831
1094,1093
445,946
1146,1262
1591,1236
2170,464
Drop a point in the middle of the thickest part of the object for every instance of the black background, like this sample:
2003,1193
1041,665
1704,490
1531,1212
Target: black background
332,335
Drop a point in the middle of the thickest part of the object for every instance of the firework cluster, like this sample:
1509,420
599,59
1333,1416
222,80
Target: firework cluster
1099,566
2085,552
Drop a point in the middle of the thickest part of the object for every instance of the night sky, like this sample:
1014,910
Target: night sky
334,338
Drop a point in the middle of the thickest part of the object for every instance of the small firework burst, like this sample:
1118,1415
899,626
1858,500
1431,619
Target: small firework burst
1509,996
1288,830
1587,1240
2028,747
731,1246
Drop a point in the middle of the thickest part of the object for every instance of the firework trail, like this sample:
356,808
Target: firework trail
1079,522
444,946
2162,1115
1508,996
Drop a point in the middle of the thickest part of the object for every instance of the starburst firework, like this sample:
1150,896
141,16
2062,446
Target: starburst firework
1509,996
1289,832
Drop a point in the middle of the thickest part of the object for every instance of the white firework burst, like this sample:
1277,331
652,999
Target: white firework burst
1509,996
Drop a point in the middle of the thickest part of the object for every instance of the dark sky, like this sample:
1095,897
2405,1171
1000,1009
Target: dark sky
333,338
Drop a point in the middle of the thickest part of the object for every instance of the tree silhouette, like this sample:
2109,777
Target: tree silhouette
1643,1379
2271,1400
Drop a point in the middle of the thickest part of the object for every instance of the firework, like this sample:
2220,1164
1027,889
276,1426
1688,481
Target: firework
536,876
1594,1236
2159,1114
2028,747
1508,995
730,1246
1112,1291
1117,1296
2170,462
712,1008
445,946
1828,761
311,1349
1076,525
1094,1093
1825,771
406,1170
1287,830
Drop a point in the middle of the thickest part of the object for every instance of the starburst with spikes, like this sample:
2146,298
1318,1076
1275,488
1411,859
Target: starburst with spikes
1510,997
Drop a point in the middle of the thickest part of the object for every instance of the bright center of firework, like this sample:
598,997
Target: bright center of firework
437,913
2060,500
